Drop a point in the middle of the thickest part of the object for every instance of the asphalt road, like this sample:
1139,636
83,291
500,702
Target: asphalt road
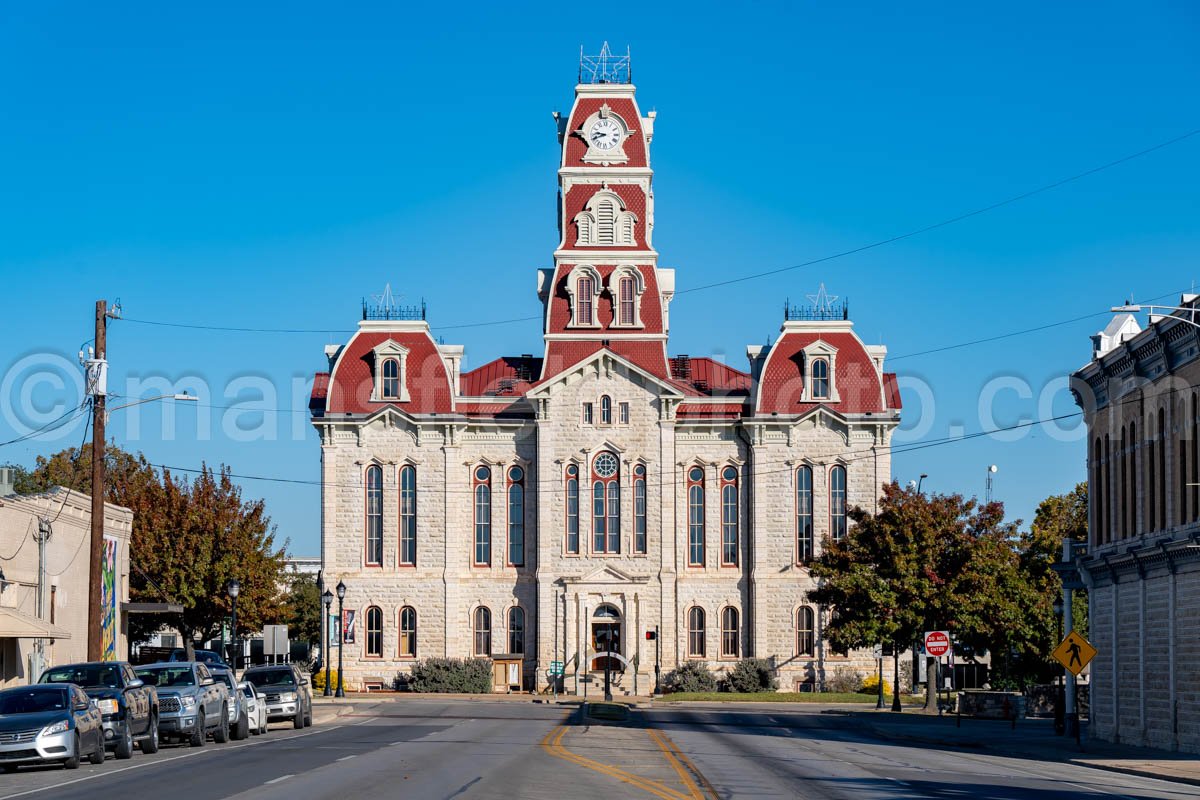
428,748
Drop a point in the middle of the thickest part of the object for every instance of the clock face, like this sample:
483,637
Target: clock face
605,134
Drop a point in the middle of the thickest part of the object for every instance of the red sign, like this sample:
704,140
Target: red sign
937,643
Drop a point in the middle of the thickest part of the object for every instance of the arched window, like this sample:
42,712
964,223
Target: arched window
639,509
804,515
585,300
481,629
695,495
408,515
1194,433
604,221
516,517
730,633
837,502
1123,499
516,630
1097,492
696,633
729,517
806,639
483,517
1161,516
625,295
1131,497
374,632
374,501
606,504
1151,490
572,544
605,410
820,379
1182,470
391,379
408,632
1108,495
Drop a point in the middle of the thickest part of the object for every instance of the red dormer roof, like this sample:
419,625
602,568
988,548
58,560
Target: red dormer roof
507,376
425,375
320,390
710,377
859,385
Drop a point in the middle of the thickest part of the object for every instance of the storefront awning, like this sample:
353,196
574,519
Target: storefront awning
15,625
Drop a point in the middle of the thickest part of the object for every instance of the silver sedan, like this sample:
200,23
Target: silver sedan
49,722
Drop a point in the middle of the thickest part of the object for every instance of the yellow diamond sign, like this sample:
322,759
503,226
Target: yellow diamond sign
1074,653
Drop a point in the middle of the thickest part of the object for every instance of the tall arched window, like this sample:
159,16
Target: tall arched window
805,632
572,543
695,495
481,630
729,517
605,410
820,379
1194,433
1181,512
408,632
516,517
516,630
1098,492
408,515
625,301
1108,484
837,502
1161,517
483,517
391,379
804,515
639,508
1151,489
696,632
585,289
1131,497
606,504
374,632
1123,498
730,633
374,517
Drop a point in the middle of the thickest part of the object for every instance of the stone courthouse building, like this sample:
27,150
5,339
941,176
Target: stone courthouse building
563,506
1141,401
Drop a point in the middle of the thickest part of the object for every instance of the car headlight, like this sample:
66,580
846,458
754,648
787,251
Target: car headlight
107,706
288,697
188,702
57,727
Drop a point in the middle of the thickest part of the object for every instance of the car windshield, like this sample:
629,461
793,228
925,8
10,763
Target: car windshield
85,675
31,701
271,677
167,676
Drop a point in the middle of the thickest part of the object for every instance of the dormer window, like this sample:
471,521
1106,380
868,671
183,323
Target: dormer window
583,287
626,285
390,378
820,365
605,221
587,312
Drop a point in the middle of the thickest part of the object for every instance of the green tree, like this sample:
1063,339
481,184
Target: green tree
303,609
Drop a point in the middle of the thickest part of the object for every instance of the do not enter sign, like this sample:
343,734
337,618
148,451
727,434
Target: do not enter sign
937,643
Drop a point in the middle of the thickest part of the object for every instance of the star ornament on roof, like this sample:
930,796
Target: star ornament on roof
385,299
822,301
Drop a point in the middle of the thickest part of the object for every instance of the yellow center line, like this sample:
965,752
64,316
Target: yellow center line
677,753
552,744
684,778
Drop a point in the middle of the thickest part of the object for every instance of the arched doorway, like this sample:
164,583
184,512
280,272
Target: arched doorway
606,637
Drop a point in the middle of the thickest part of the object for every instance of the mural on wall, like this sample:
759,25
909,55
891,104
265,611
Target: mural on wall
108,600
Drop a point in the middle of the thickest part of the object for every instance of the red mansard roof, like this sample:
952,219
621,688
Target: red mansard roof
510,375
709,376
892,390
577,199
320,390
635,144
650,308
858,384
649,356
352,380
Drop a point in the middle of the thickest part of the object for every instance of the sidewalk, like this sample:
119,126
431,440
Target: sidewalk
1032,738
327,709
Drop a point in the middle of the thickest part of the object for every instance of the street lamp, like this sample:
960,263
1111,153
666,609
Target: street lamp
341,596
920,481
234,589
327,599
1060,722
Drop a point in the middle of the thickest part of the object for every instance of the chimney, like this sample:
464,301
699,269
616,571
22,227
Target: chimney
8,477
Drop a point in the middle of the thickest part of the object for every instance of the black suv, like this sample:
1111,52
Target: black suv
129,707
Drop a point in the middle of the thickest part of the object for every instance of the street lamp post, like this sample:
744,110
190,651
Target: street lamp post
608,665
327,599
1060,722
234,588
657,664
341,596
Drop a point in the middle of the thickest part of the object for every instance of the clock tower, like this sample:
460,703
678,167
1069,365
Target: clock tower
606,289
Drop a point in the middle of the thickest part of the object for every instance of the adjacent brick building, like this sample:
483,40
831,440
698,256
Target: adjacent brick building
566,504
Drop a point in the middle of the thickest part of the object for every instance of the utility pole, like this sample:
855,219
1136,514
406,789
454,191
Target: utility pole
97,387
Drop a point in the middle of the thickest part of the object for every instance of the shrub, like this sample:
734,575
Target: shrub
461,675
318,680
691,676
844,680
870,685
752,675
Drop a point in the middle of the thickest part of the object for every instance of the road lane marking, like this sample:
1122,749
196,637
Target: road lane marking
347,758
552,744
277,780
675,755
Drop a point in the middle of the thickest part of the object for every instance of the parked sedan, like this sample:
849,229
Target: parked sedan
129,707
288,694
256,707
49,722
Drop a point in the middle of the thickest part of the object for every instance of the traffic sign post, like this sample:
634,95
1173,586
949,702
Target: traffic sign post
937,643
1074,653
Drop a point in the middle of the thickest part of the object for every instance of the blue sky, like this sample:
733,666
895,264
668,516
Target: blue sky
268,165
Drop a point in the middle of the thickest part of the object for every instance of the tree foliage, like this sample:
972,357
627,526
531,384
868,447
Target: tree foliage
303,612
190,538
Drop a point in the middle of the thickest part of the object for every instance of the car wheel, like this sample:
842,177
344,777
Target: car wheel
242,730
124,747
73,761
298,720
221,734
150,743
197,737
97,756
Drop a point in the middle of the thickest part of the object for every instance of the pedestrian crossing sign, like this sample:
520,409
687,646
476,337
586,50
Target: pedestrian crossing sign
1074,653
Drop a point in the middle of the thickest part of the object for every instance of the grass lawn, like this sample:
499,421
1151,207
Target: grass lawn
784,697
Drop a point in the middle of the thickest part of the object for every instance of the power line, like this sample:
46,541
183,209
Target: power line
56,423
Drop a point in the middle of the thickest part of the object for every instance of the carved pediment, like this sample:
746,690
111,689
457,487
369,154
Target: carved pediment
606,574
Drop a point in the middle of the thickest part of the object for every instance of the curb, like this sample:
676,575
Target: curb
323,716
